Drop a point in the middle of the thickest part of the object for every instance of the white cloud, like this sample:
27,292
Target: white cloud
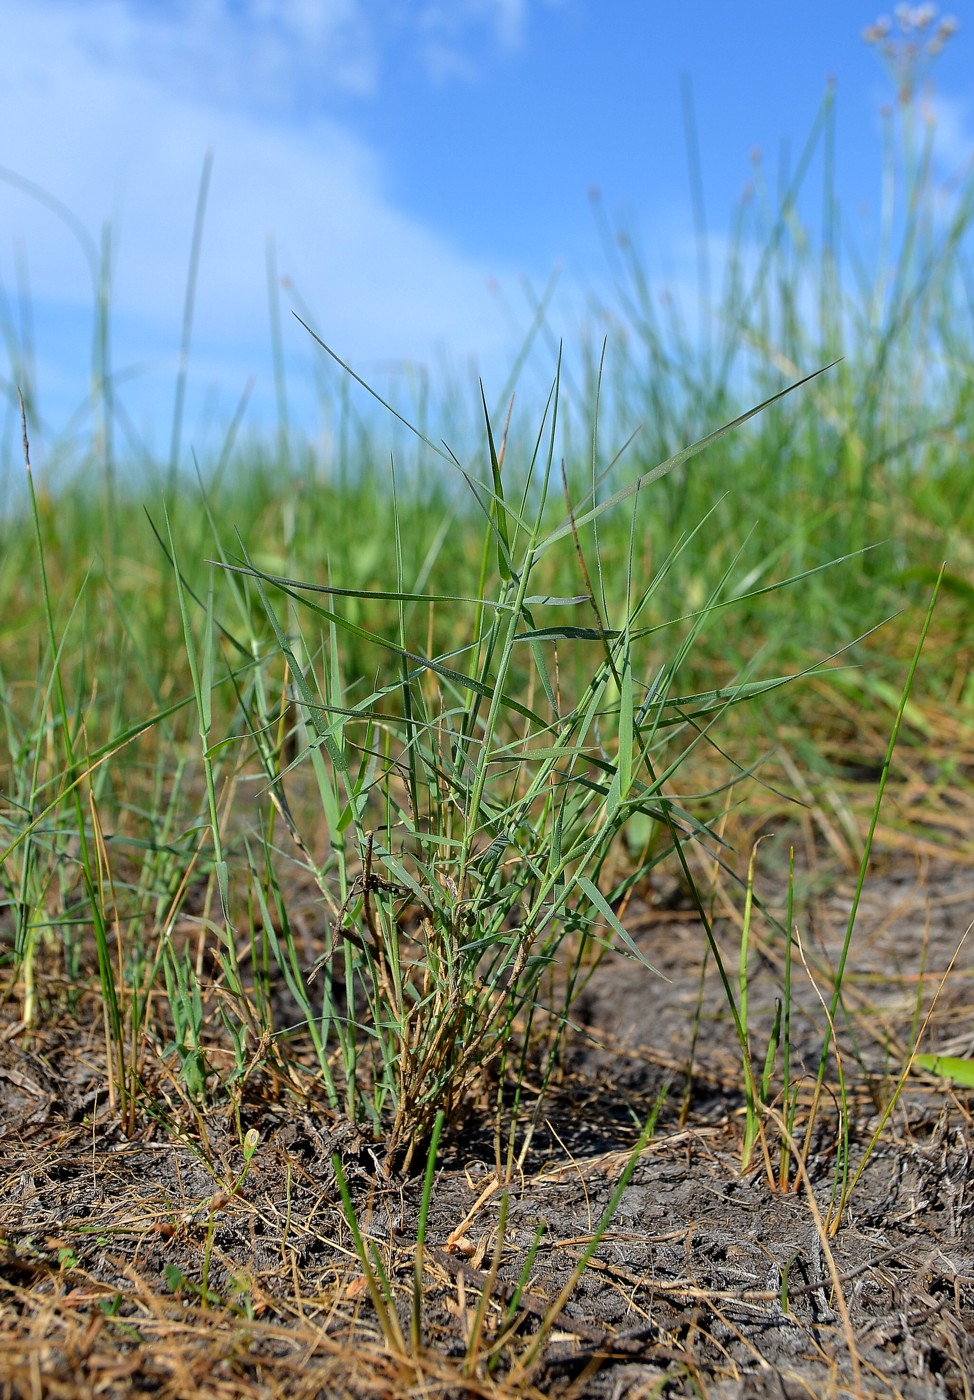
447,28
265,55
123,139
285,56
953,133
448,21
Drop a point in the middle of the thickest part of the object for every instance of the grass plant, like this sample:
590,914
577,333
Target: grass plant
469,808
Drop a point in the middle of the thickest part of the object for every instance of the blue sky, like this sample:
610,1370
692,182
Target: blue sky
413,161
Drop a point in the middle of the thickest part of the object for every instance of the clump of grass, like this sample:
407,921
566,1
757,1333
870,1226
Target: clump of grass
469,804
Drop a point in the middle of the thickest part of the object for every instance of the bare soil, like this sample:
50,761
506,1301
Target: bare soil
144,1266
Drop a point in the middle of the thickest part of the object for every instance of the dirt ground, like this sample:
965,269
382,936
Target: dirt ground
132,1266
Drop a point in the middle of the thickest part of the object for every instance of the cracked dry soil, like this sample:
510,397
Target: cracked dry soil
128,1267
